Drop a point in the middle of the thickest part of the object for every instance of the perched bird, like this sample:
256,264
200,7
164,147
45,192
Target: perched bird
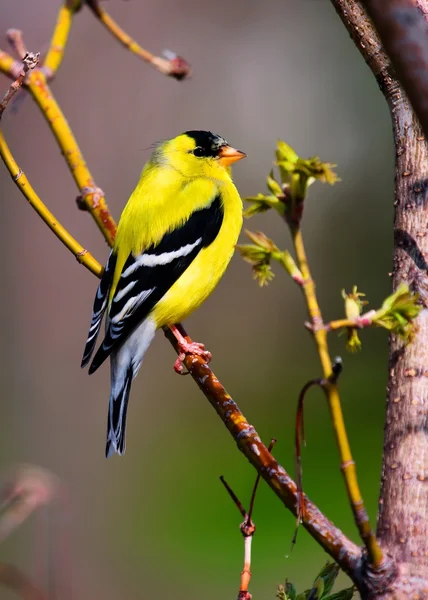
174,241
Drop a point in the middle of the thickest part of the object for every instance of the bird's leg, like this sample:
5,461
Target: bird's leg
186,347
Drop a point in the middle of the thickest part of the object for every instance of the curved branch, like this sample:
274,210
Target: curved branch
403,31
82,255
172,65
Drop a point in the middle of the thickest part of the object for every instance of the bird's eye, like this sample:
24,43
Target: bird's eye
198,151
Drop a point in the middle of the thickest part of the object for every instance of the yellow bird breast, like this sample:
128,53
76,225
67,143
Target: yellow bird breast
204,273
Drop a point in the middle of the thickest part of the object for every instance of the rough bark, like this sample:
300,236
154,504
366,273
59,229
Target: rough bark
403,504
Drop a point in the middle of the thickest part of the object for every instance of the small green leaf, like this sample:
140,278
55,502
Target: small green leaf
262,203
342,595
290,591
273,186
398,312
316,593
284,152
328,576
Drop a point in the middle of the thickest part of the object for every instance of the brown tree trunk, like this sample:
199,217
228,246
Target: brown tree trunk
403,504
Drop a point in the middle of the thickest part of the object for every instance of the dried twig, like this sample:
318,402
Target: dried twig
29,61
247,529
26,490
16,41
171,64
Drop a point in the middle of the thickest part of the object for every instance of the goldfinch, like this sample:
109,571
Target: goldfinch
174,240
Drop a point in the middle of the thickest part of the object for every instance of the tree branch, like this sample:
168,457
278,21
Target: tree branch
331,391
82,255
172,65
403,31
57,45
344,552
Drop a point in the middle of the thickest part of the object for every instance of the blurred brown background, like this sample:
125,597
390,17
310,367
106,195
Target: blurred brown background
157,523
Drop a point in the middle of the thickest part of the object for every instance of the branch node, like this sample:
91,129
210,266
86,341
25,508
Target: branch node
18,175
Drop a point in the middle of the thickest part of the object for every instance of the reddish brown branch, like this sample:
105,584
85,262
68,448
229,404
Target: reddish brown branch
300,436
334,542
248,529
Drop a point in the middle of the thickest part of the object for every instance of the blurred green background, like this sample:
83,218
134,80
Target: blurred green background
158,523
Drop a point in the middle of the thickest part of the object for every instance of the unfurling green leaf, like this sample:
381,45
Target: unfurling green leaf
290,591
262,203
287,592
321,589
328,576
285,153
261,253
273,185
398,312
298,174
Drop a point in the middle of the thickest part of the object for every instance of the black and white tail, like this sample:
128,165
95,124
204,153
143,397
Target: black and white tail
100,305
125,363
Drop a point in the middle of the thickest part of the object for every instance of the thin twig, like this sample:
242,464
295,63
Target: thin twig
29,61
92,196
234,497
20,179
172,65
55,54
348,468
256,484
16,41
300,437
358,323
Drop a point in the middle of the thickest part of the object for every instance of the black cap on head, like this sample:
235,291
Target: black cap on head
207,144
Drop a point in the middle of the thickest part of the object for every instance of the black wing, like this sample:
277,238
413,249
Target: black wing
145,279
100,304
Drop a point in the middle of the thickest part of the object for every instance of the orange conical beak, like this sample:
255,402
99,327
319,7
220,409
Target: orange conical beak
228,155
